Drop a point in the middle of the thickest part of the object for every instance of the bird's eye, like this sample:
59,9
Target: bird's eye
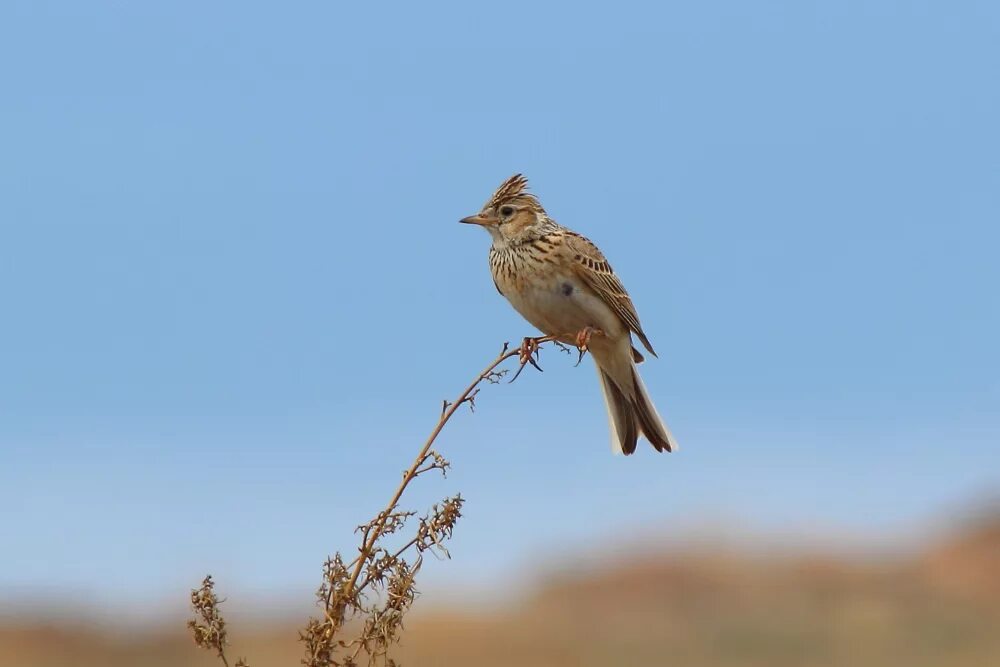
506,211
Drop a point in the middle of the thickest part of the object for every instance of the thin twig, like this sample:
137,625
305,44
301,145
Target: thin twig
448,409
342,595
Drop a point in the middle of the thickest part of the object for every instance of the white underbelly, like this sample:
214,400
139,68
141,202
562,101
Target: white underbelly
564,307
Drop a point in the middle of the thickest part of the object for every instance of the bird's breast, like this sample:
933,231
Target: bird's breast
551,297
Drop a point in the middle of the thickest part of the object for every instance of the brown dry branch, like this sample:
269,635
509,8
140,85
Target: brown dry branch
377,587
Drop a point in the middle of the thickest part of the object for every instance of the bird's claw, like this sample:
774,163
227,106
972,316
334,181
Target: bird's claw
583,340
528,349
527,354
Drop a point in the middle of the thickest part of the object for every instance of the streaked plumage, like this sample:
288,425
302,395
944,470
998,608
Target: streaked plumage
561,283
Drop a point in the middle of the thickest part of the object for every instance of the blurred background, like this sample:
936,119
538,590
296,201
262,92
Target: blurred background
235,292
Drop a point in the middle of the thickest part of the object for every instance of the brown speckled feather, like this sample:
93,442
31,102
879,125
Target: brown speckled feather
508,190
590,264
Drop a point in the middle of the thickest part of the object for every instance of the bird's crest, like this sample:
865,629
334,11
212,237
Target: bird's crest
514,187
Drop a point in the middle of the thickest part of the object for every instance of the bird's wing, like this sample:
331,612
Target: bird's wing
590,264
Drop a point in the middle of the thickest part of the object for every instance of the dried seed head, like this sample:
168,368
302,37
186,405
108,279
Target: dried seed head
208,628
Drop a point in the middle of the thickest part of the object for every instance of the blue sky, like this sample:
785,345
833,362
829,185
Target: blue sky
235,290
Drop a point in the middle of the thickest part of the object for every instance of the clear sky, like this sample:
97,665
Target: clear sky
234,289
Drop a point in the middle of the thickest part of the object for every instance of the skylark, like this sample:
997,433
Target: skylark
561,283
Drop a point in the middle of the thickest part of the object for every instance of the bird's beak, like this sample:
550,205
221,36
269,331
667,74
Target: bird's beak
479,219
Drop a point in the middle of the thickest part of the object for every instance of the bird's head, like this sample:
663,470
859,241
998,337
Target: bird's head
511,213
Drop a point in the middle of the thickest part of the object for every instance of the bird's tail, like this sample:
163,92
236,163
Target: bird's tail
631,412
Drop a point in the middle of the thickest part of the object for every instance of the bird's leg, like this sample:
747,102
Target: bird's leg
527,354
583,340
528,349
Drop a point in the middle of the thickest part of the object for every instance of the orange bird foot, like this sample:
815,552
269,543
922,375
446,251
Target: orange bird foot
583,340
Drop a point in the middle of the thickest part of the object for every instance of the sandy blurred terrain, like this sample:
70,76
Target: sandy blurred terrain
938,605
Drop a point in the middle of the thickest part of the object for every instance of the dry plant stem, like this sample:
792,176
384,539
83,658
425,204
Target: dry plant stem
467,396
384,571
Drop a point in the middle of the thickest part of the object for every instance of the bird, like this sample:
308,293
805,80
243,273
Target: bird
562,284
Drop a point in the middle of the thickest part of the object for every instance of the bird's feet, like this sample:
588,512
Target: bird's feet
583,340
528,349
526,354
